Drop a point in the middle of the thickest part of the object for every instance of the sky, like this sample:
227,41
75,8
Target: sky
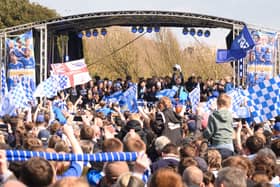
263,13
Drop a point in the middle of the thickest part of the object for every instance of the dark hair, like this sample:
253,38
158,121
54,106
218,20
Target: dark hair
208,177
170,148
37,172
186,162
275,146
254,144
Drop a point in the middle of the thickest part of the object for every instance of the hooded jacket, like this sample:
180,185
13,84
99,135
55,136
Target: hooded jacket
168,124
219,130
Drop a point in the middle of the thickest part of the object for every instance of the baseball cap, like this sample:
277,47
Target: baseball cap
44,136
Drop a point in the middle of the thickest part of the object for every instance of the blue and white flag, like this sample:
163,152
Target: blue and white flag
237,99
63,82
194,97
113,98
4,87
166,93
263,100
28,87
239,47
128,100
15,99
47,88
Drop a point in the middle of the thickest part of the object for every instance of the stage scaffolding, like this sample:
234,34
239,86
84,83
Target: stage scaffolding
47,31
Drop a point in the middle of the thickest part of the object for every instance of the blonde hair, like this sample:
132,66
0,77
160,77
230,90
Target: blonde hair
224,100
166,102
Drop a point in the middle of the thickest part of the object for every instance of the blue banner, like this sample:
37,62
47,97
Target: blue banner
21,61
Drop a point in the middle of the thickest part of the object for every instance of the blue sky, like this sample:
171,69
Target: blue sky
264,13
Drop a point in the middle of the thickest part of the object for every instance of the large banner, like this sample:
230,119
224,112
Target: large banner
261,58
76,72
21,62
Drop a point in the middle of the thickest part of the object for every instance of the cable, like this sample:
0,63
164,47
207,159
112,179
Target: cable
115,51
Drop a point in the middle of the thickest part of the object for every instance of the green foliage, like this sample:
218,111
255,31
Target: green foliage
16,12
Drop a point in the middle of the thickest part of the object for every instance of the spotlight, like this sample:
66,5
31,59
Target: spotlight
185,31
207,33
149,29
88,34
157,28
140,29
95,32
134,29
80,34
192,32
199,33
103,31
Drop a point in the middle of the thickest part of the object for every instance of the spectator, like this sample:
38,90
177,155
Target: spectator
219,130
231,177
193,177
167,123
165,178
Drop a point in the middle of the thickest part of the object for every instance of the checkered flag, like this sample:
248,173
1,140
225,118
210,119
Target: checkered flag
4,87
263,100
47,88
63,82
27,87
194,97
211,105
18,97
237,98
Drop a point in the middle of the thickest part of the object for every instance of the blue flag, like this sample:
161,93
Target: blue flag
128,100
239,47
166,93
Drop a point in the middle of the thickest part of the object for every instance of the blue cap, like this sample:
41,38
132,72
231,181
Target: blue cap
40,118
44,135
277,126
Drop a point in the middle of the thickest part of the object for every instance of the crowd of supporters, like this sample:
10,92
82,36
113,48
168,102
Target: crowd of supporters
176,146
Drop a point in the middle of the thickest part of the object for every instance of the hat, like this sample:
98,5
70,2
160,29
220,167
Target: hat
44,135
191,125
160,142
202,164
277,126
40,118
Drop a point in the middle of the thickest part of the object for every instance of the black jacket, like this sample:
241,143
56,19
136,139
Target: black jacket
168,124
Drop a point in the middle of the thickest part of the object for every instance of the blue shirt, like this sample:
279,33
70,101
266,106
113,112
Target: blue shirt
17,65
28,63
74,170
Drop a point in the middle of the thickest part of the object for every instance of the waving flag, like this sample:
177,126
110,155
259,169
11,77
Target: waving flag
128,100
4,87
47,88
76,71
239,47
166,93
263,100
113,98
16,98
194,97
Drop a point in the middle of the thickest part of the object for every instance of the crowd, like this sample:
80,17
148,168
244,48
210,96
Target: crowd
176,147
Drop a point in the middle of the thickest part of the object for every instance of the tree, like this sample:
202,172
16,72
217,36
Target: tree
16,12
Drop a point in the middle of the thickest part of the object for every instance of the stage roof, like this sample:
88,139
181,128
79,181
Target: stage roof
128,18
